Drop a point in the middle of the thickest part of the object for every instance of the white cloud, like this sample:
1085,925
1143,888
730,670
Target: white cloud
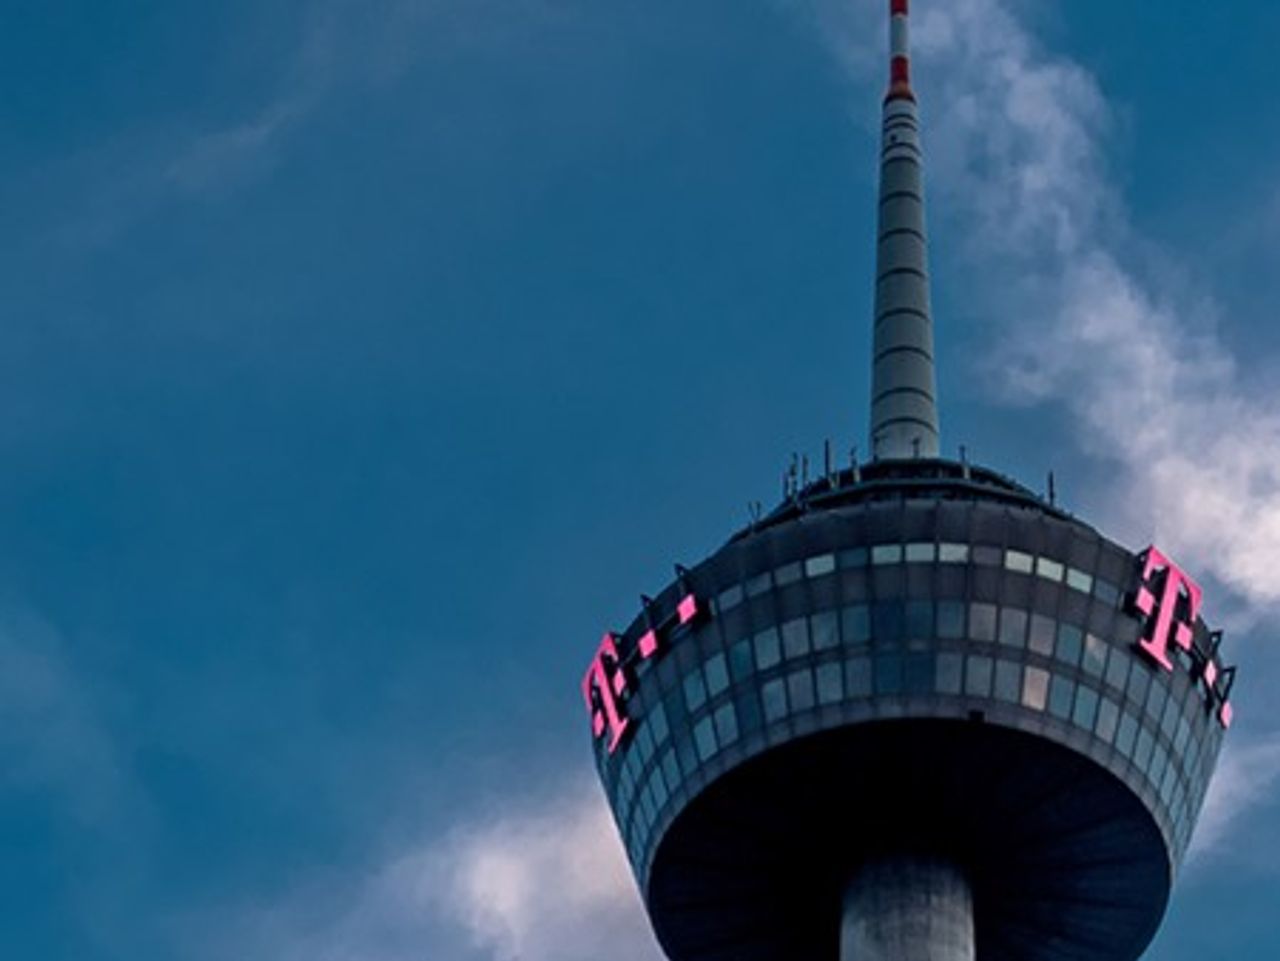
535,879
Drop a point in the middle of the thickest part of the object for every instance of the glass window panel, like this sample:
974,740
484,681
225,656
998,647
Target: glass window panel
1095,655
977,680
1061,694
1106,592
644,743
886,554
919,673
740,664
1159,764
820,565
953,553
1070,644
695,691
947,678
729,598
1086,707
1142,753
1108,717
1127,734
1156,699
788,574
1018,561
795,638
1139,681
1168,723
1049,570
1184,733
1117,668
774,695
855,624
920,553
704,736
670,768
919,620
887,621
759,584
768,649
982,621
830,683
951,619
658,722
1079,580
825,629
857,677
726,724
854,557
987,556
889,674
1043,634
1013,626
688,758
1035,688
749,716
717,675
1008,681
800,690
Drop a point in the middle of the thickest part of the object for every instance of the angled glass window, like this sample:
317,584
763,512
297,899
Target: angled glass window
887,621
951,619
795,638
726,724
729,598
704,736
919,620
853,557
953,553
1086,708
800,690
774,696
1095,655
740,661
1049,570
949,669
855,624
768,649
857,677
886,554
1035,689
920,553
1008,681
982,621
670,768
788,574
759,584
1061,695
1127,734
918,677
1013,627
889,674
1108,718
657,722
1118,668
977,679
1018,561
695,691
1139,681
717,672
820,565
987,556
825,630
1043,634
1106,592
830,682
1070,644
1079,580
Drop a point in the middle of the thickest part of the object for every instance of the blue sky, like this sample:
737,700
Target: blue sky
362,361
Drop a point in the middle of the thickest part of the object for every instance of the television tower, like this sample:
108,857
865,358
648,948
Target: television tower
917,712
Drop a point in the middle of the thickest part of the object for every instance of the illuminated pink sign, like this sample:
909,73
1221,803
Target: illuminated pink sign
605,686
1169,600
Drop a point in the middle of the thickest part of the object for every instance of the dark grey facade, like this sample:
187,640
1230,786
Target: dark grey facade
922,658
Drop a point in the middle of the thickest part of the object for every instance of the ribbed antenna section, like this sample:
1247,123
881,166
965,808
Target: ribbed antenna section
904,410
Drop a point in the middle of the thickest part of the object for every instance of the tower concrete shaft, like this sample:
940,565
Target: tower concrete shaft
904,410
908,909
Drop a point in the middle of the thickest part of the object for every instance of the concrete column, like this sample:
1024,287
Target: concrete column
907,909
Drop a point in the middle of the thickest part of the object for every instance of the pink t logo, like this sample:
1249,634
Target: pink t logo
1170,600
601,687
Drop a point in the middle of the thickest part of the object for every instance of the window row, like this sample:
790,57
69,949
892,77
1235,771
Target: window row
924,552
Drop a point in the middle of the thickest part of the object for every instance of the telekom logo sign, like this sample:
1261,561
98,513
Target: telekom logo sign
606,682
1170,601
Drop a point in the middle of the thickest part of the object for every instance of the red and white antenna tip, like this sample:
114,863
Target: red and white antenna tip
899,53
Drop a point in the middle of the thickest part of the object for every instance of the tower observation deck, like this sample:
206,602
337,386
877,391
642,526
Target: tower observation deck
917,712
